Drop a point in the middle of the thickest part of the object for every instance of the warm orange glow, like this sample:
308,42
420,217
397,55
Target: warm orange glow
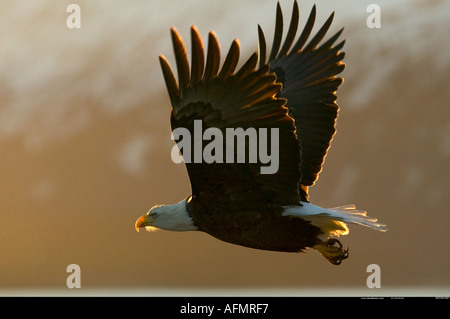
142,222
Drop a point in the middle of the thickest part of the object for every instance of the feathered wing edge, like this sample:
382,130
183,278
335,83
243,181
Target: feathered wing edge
299,46
308,73
248,85
225,98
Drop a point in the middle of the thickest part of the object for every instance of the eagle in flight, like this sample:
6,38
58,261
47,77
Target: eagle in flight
290,92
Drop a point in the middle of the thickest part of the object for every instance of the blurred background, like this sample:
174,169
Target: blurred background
85,149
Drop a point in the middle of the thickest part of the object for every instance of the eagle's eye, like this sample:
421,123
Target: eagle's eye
153,215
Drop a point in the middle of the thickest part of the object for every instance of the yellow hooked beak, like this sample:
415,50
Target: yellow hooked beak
143,221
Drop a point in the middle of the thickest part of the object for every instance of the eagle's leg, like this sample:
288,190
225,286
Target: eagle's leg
332,250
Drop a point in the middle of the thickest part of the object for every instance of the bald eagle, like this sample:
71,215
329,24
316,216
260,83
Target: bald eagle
291,91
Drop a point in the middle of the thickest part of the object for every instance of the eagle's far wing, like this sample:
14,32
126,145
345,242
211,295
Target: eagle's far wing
224,99
308,74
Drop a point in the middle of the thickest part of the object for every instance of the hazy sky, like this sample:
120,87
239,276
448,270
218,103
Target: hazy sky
85,144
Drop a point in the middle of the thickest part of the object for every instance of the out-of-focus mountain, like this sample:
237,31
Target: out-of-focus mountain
85,146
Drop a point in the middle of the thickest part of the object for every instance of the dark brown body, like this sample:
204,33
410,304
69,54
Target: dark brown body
260,228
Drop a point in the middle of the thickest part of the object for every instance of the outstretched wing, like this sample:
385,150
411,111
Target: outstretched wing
308,74
225,99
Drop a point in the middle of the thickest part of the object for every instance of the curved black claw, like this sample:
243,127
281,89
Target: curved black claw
332,250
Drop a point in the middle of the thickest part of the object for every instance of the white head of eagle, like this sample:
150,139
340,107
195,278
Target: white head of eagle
292,90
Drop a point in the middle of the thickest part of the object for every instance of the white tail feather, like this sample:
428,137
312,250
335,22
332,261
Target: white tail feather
349,214
333,221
